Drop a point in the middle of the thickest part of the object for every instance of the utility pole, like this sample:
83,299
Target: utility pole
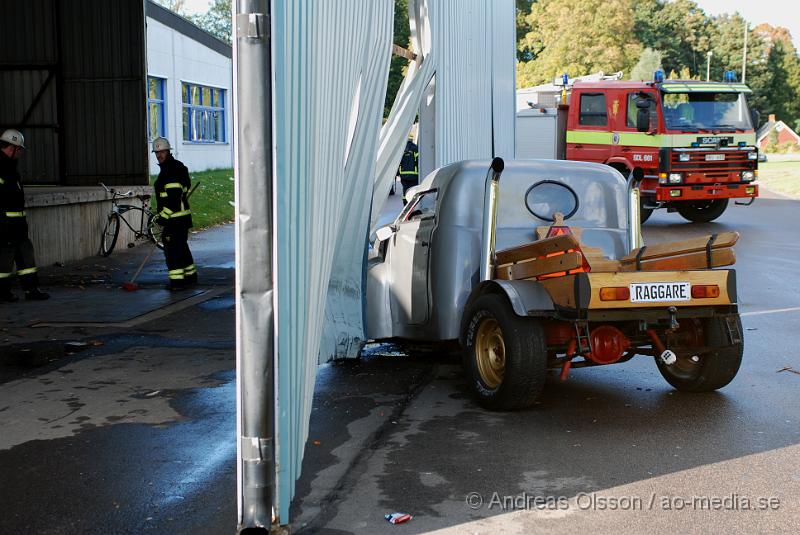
744,55
708,65
255,315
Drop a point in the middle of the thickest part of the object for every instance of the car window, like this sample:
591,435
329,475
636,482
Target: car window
633,98
422,206
593,110
548,197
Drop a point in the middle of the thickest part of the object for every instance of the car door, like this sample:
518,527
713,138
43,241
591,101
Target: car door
410,259
590,137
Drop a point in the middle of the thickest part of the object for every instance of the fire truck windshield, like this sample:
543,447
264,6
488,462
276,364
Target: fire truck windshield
694,111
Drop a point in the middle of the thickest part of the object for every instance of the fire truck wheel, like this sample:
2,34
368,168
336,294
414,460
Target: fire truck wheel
702,211
505,358
709,371
645,213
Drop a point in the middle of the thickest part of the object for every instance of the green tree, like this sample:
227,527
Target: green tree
523,28
649,62
578,37
217,20
679,30
782,67
399,64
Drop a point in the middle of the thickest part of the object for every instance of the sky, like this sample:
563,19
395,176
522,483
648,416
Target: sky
784,13
775,12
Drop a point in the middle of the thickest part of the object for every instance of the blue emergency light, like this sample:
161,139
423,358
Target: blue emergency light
730,76
565,79
658,76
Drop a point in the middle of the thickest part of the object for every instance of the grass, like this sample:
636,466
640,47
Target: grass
210,201
781,177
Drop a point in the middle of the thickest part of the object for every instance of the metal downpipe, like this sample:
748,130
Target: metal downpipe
634,211
489,229
255,317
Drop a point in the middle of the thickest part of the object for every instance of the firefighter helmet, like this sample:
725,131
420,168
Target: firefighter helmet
161,143
13,137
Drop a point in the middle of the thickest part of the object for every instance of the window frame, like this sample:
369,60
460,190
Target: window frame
405,215
582,114
558,183
161,104
190,111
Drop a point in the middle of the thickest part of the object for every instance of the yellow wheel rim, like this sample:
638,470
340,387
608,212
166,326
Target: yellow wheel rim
490,352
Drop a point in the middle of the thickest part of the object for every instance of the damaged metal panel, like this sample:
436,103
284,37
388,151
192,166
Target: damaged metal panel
468,47
331,67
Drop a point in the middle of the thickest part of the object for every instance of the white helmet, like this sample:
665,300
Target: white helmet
161,143
13,137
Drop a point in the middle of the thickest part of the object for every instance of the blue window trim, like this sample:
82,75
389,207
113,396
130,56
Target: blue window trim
161,103
186,88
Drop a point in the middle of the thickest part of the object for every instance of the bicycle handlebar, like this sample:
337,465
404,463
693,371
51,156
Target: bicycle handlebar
114,192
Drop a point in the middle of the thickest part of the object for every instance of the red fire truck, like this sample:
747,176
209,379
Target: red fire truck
694,141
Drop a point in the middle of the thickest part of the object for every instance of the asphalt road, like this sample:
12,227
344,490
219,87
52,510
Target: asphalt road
613,449
137,435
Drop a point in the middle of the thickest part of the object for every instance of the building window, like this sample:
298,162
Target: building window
593,110
203,114
156,125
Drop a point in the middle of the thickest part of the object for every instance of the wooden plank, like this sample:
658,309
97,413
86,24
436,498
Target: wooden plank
603,280
398,50
692,261
603,264
661,250
543,266
532,250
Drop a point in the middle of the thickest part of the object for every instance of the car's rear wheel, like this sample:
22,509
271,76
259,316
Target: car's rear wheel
702,211
712,370
505,357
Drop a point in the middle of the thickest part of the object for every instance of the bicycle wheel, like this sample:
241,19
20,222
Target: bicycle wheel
110,233
154,231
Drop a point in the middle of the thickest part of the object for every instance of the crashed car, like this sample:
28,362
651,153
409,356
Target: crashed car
537,265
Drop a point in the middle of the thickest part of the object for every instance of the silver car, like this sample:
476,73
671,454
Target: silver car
447,271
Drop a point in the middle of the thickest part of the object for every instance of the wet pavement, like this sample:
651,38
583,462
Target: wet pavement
614,449
131,428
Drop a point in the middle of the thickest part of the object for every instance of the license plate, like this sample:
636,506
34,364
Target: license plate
714,157
656,292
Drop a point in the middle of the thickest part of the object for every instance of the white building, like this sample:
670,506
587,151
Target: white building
189,91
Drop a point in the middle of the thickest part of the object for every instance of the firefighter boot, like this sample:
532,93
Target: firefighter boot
36,295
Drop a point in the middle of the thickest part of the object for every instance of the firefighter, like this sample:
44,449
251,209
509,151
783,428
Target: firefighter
15,246
409,168
171,189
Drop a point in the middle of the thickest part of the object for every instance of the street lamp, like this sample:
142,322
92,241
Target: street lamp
708,65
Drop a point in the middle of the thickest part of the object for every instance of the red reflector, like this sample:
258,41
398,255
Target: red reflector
705,291
622,293
558,231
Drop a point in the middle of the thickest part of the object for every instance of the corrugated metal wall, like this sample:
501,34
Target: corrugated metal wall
331,67
89,124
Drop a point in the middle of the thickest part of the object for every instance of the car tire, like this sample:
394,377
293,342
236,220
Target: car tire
702,211
713,370
505,355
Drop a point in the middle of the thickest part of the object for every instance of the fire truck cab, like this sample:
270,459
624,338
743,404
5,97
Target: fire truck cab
694,141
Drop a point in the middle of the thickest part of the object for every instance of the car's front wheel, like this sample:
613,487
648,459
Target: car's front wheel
505,357
702,211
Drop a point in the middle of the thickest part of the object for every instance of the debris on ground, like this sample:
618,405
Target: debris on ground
788,369
398,518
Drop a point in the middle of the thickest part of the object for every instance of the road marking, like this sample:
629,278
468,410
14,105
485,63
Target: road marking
775,311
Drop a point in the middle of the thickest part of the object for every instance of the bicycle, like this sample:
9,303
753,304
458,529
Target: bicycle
148,221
